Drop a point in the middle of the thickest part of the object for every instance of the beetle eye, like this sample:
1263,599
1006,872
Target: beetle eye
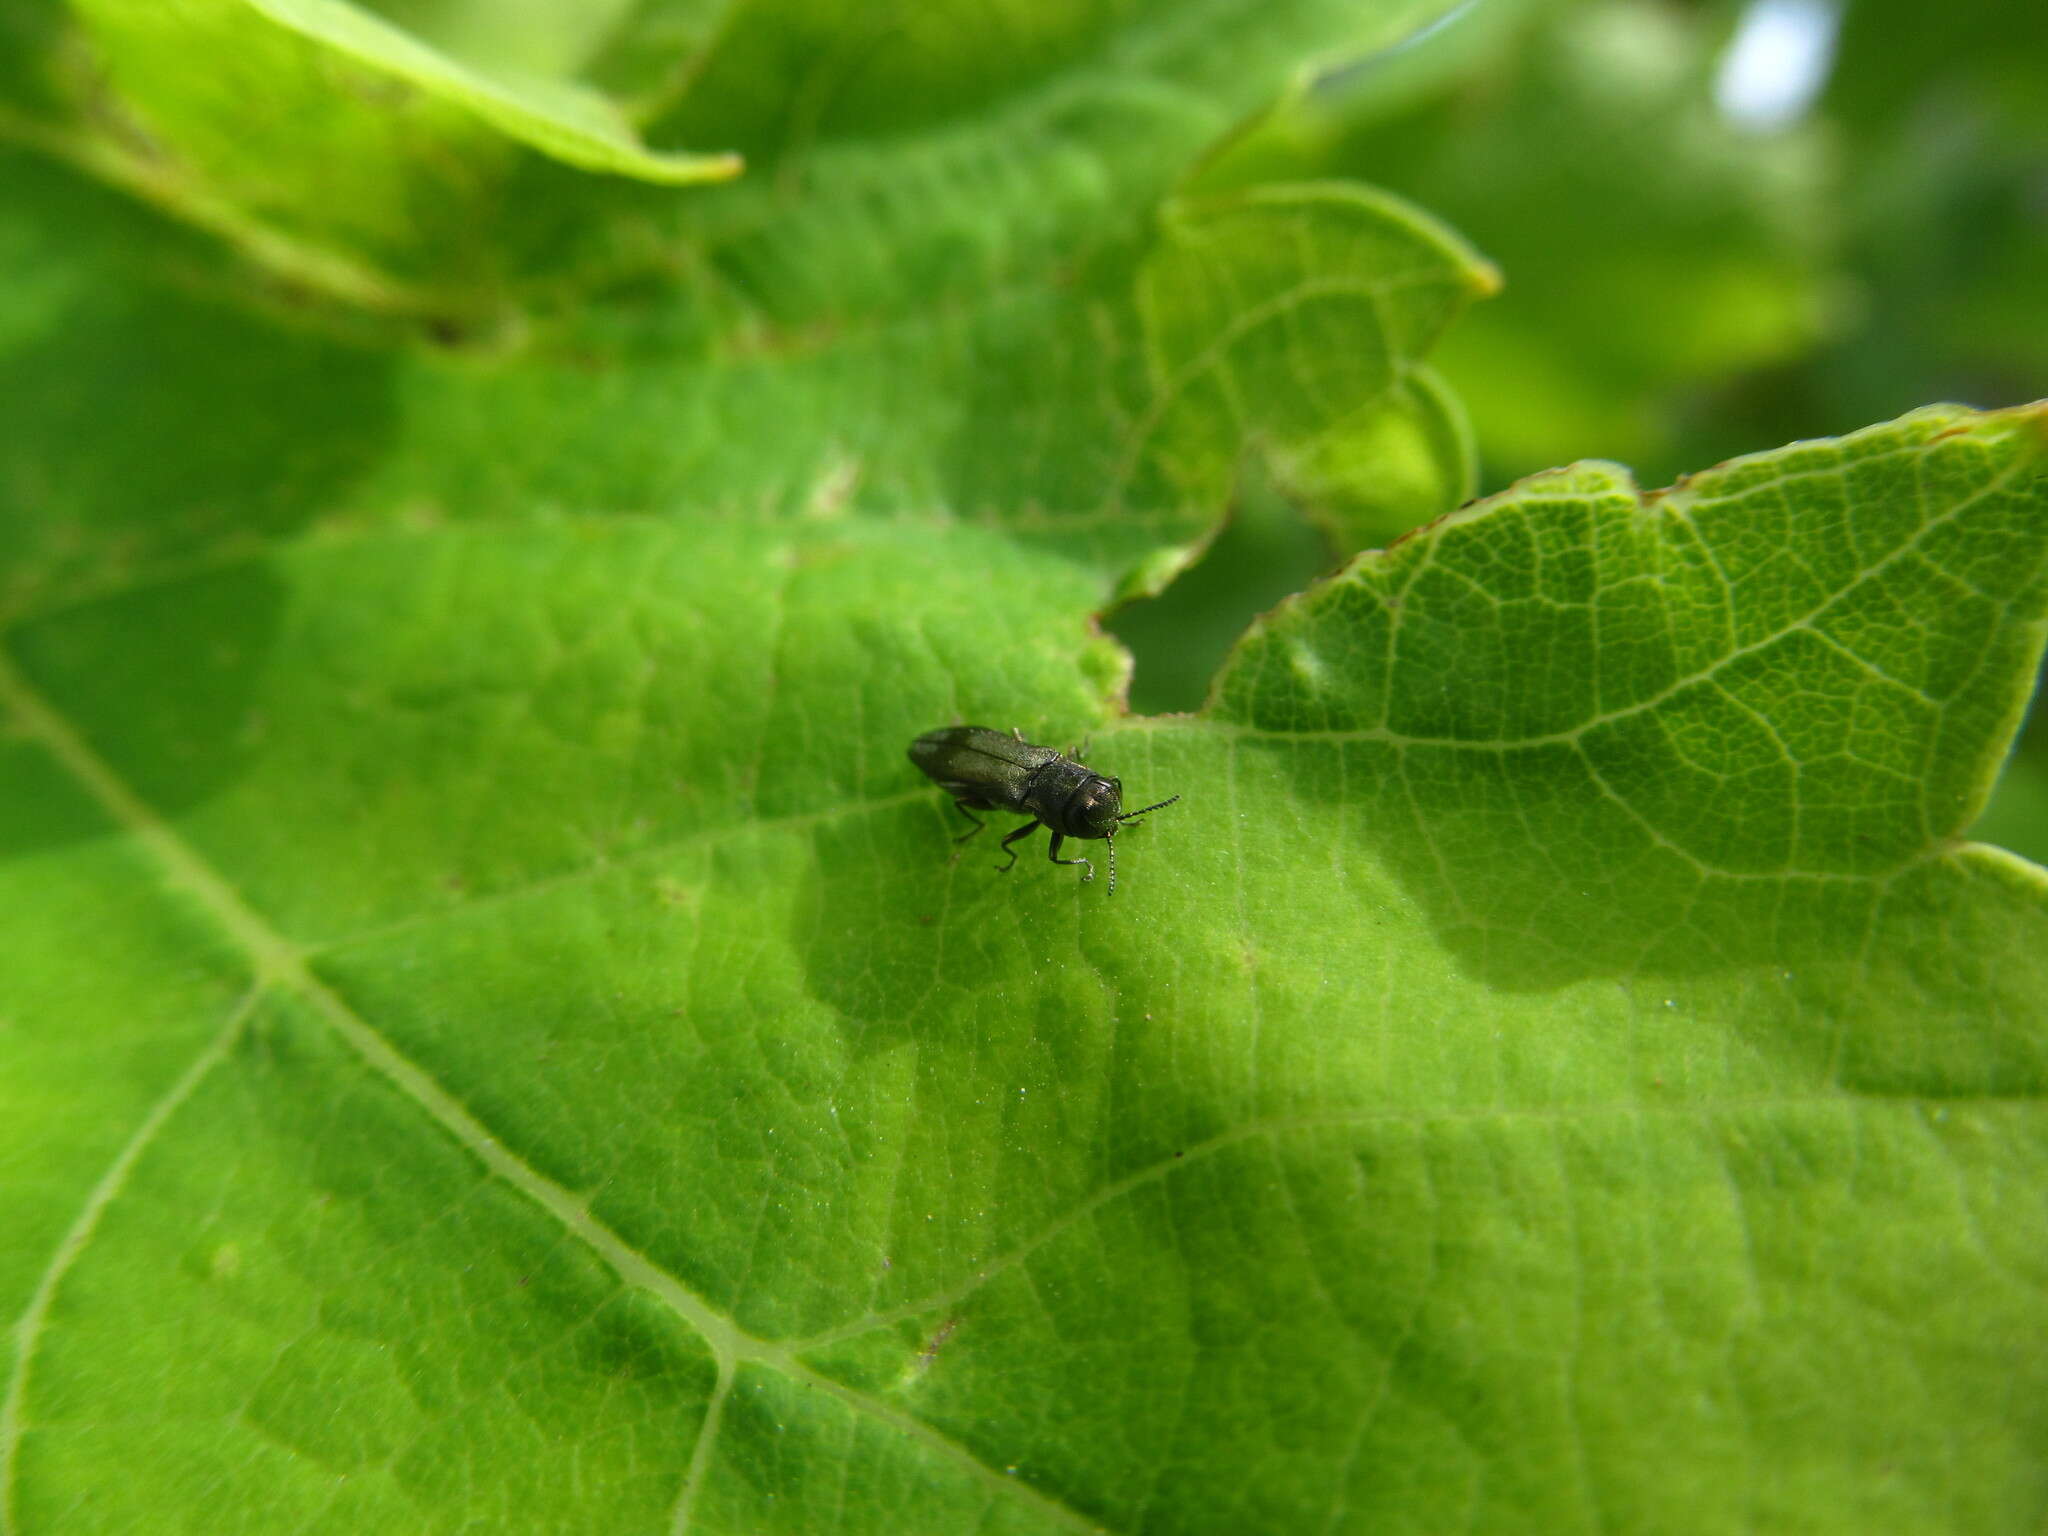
1100,804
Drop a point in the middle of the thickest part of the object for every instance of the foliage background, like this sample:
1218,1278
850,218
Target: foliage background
489,1037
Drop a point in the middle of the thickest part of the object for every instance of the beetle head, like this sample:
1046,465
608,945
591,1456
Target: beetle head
1096,807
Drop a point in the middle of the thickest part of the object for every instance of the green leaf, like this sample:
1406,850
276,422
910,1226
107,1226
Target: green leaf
495,1039
1633,681
331,73
370,155
341,151
1458,1083
1236,298
557,116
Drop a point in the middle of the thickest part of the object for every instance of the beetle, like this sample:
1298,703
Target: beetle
991,770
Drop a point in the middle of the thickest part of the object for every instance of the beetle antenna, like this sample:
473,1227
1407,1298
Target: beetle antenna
1162,805
1111,840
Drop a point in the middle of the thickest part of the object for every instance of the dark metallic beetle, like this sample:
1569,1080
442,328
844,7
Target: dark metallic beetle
985,770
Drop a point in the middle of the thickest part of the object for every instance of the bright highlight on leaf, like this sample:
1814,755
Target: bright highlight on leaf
559,117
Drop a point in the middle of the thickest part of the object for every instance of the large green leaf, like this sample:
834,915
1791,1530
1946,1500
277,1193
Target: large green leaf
492,1035
1558,1032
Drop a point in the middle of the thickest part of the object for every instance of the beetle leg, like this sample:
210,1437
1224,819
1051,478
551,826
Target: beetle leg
1026,830
961,807
1053,853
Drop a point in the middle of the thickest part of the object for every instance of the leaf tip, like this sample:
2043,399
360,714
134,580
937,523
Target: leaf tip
695,170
